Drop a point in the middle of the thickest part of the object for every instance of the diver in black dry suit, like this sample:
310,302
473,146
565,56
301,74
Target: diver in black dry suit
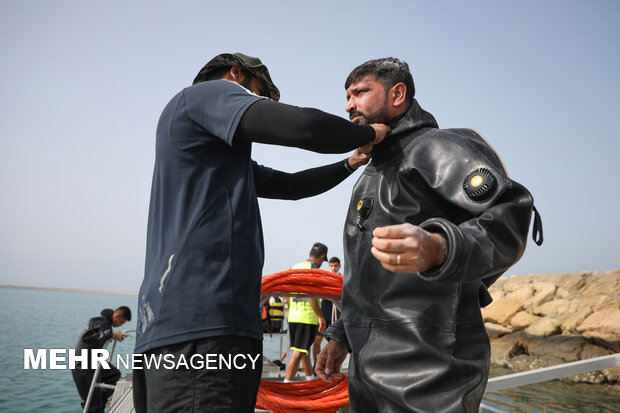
96,336
417,340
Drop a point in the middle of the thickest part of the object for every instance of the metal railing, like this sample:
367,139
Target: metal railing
523,378
94,383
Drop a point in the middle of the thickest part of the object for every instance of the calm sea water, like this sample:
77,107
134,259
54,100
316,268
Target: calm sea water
50,319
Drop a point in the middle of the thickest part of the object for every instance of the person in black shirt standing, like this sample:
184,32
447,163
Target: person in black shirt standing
329,311
204,255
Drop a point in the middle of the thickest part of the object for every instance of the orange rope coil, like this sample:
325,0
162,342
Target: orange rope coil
312,281
303,396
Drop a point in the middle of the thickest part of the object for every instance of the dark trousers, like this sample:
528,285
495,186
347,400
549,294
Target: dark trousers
196,388
83,380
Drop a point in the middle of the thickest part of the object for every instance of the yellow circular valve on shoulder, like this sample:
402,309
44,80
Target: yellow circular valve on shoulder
476,180
480,185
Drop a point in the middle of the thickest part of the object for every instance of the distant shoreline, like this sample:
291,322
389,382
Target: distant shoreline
70,290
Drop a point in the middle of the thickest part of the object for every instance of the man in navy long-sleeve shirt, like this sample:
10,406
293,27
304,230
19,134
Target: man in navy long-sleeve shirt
201,289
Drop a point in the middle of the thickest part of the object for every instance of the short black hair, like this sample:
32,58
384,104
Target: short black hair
318,249
334,259
125,312
388,70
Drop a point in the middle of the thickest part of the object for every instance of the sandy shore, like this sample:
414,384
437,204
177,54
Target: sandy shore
71,290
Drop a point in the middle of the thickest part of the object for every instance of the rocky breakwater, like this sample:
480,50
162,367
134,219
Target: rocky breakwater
542,320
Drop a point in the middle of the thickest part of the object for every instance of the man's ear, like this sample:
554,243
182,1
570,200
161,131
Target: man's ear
235,74
398,94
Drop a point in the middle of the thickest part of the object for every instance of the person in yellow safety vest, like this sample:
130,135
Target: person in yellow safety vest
304,320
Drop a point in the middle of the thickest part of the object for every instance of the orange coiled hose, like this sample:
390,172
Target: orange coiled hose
303,396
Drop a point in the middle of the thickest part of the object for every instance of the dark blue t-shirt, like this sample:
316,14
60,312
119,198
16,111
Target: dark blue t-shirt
204,254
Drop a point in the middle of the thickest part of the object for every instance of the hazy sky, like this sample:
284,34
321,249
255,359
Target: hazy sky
83,84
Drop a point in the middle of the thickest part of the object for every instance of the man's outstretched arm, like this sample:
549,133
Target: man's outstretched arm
310,182
306,128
